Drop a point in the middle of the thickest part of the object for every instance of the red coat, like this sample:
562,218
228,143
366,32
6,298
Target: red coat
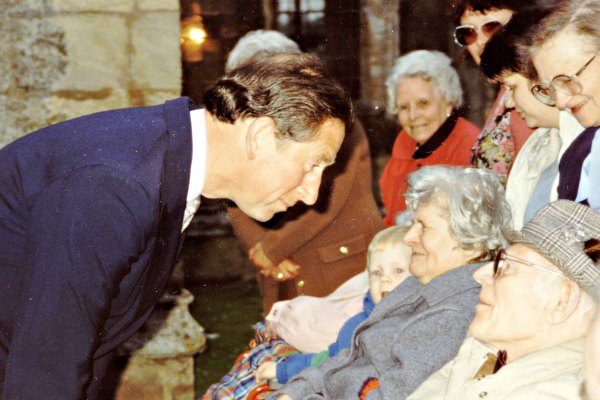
328,240
456,150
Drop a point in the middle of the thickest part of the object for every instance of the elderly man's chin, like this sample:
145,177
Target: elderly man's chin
477,328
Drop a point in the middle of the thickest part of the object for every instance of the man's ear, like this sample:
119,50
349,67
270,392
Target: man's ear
565,302
260,134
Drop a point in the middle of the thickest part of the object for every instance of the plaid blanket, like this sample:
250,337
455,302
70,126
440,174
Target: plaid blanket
239,381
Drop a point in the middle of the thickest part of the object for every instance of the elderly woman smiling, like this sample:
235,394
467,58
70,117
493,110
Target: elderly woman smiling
533,314
424,91
565,52
418,327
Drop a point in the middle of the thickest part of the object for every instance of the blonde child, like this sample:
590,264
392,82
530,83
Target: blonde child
387,265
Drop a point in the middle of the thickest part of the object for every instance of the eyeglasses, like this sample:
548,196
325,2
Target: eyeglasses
465,35
500,265
565,84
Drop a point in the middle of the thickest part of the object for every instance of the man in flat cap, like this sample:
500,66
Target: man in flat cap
527,338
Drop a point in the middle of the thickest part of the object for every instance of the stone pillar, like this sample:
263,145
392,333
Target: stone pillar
379,48
66,58
161,363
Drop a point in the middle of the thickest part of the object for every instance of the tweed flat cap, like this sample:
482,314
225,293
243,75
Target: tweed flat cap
559,231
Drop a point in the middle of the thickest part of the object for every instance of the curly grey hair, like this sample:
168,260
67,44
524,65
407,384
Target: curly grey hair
472,199
431,66
259,41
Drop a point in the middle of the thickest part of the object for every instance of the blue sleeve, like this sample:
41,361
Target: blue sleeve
594,174
295,363
292,365
346,332
85,231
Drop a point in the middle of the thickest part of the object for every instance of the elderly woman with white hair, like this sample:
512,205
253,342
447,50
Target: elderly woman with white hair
424,92
565,53
419,326
527,338
259,42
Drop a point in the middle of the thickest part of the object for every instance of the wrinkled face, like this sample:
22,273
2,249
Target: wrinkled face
290,172
478,19
387,269
512,308
565,54
434,248
534,112
421,108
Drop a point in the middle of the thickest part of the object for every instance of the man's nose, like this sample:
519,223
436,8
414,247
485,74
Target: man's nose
308,191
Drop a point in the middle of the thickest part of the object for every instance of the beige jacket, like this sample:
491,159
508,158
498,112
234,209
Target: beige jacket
544,146
554,373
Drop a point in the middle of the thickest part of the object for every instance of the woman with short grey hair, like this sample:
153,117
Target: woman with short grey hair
424,92
431,66
468,197
257,42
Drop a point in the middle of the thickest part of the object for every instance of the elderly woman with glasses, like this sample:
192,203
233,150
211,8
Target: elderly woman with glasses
533,178
527,338
504,132
424,92
564,51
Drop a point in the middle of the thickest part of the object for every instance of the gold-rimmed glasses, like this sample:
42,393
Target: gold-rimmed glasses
500,264
565,84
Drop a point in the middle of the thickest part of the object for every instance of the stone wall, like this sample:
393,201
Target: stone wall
66,58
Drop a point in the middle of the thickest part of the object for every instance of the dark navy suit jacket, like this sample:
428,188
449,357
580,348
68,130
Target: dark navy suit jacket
91,213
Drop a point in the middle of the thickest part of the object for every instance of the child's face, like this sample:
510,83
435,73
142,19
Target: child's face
388,268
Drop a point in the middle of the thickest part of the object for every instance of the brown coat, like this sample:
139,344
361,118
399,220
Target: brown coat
328,240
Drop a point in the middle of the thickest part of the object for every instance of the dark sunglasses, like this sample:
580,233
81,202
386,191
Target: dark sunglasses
500,264
465,35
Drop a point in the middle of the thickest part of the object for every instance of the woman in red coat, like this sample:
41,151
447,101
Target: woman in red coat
424,92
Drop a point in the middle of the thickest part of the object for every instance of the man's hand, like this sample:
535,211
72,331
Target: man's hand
266,372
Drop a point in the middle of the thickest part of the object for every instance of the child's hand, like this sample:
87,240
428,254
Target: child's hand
267,371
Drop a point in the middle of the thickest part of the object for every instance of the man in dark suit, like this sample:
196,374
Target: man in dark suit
92,210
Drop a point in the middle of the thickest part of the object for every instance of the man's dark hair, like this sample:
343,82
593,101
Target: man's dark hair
502,52
293,89
458,7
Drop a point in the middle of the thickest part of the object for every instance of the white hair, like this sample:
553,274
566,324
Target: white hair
259,41
431,66
472,199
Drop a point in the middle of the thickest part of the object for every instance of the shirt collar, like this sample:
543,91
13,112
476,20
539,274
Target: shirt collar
198,168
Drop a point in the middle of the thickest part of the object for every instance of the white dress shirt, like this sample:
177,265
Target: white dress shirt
198,168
